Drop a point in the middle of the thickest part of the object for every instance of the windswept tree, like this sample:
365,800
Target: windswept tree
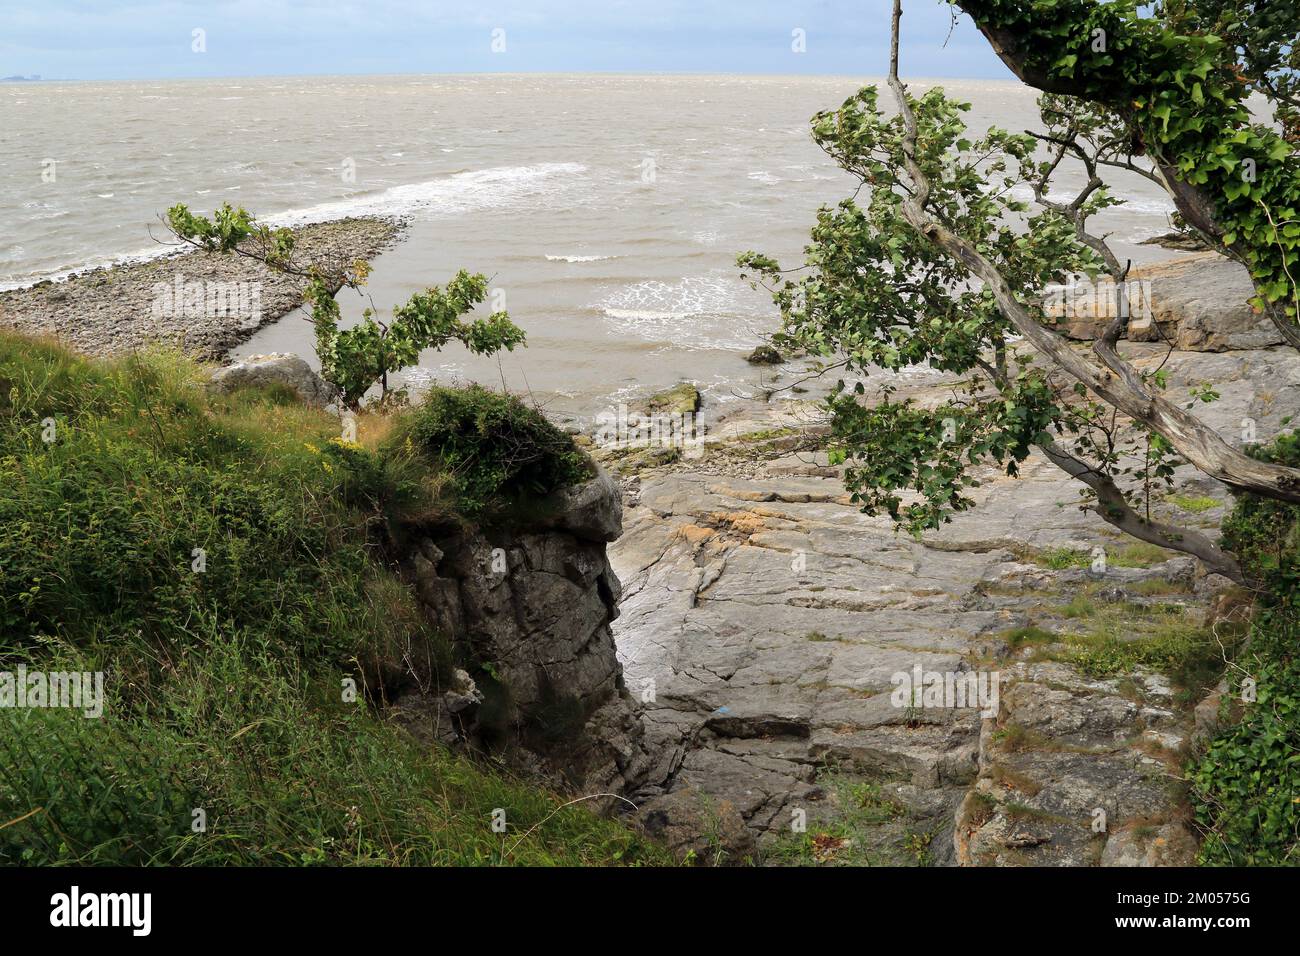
936,261
360,357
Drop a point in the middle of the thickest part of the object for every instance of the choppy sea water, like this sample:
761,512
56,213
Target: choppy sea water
608,210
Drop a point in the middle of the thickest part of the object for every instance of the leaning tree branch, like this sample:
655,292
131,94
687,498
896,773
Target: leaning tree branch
1195,204
1118,383
1114,508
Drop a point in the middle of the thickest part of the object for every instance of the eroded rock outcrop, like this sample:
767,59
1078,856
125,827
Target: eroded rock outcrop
765,620
529,612
1078,772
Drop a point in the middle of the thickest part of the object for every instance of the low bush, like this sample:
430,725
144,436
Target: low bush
494,450
1246,784
1265,534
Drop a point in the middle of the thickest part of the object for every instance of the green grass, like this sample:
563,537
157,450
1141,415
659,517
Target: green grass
225,685
286,773
1059,559
1196,504
1138,554
1130,554
1164,638
1018,637
1154,587
868,828
1080,606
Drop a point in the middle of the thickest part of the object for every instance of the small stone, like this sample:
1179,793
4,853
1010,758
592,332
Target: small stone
464,693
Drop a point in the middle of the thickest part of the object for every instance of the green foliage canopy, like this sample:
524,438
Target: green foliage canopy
1183,96
876,294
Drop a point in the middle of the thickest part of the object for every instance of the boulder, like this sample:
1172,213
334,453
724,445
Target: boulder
1182,241
697,827
1169,844
529,612
1199,302
1205,715
764,355
278,368
681,399
592,511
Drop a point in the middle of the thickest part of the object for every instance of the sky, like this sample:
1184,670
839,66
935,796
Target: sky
155,39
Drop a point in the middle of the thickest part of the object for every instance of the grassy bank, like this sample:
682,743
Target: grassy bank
223,561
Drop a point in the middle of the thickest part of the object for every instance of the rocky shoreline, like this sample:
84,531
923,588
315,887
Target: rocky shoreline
764,619
204,304
724,649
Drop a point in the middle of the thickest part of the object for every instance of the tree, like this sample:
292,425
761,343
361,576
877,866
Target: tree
360,357
935,261
1180,91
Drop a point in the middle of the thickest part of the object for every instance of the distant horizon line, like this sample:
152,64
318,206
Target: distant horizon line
19,79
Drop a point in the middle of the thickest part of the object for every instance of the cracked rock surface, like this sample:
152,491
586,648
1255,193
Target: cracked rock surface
764,618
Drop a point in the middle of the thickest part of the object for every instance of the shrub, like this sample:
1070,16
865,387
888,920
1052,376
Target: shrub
223,687
363,355
1247,783
1265,534
493,448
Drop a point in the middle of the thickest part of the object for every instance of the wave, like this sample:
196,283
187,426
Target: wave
579,258
88,265
450,195
1155,206
697,312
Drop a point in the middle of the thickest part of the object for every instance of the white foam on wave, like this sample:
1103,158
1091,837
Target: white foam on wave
579,258
451,195
422,377
696,312
1160,206
448,196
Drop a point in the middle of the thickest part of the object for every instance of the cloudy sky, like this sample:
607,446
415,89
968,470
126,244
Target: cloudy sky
107,39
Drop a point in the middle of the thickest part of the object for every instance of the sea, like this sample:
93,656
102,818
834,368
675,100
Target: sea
607,210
